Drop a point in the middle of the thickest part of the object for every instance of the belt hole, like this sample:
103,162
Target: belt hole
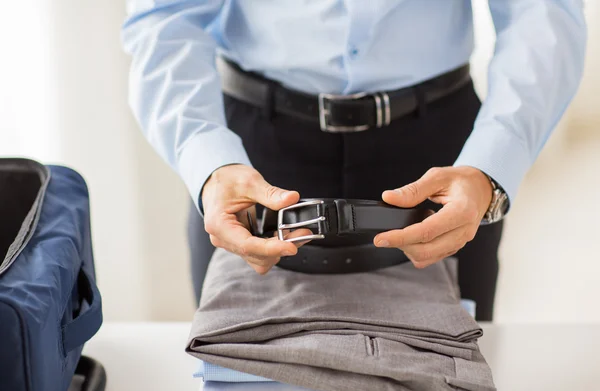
325,262
349,260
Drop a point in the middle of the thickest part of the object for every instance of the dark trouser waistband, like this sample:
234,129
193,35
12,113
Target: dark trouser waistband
338,113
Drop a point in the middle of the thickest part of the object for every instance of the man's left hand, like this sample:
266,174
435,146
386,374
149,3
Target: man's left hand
464,192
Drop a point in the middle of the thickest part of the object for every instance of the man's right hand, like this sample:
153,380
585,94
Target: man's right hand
228,194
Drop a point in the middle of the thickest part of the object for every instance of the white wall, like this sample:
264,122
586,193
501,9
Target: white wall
550,260
26,88
66,103
139,204
63,99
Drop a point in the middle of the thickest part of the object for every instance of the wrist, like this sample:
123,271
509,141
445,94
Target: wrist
481,188
480,181
210,182
216,175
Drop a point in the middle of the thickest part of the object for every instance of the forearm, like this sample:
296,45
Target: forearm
533,76
175,92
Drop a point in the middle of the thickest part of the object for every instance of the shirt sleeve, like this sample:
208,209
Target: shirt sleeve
533,75
174,88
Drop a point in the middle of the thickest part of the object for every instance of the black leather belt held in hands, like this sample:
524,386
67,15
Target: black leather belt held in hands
338,113
343,232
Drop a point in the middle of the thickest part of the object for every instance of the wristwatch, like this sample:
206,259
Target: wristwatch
498,205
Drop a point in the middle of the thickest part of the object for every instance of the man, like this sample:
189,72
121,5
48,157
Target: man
261,147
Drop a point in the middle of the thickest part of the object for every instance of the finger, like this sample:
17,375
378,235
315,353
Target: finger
448,218
247,217
423,265
425,254
232,234
257,267
290,234
297,233
271,196
262,270
266,260
263,264
268,248
416,192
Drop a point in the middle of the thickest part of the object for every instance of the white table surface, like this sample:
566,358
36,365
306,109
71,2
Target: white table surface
150,356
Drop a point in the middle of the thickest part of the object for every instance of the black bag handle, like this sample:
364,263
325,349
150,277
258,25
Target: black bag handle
93,373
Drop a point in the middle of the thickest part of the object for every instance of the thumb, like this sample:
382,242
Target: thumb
271,196
414,193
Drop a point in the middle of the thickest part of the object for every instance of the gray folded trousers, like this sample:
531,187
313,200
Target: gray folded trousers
398,328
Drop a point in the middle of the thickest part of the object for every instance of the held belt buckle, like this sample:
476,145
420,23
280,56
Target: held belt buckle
382,111
318,220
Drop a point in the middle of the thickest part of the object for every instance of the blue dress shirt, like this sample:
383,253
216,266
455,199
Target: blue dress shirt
346,46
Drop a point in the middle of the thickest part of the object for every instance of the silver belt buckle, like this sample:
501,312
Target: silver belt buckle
300,224
382,111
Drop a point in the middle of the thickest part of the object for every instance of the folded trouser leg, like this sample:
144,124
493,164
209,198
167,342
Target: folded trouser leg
350,362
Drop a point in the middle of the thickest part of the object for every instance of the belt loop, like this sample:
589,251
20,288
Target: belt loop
421,104
269,106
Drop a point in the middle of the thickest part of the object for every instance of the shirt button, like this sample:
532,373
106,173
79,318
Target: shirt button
353,51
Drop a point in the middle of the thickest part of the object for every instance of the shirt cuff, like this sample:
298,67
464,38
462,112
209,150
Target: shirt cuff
204,153
499,154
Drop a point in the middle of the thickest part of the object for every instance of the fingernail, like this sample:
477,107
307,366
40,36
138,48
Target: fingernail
287,253
383,243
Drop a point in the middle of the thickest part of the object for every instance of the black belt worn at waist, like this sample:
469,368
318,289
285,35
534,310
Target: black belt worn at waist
343,232
338,113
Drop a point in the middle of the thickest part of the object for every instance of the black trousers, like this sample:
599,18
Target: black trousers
297,155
